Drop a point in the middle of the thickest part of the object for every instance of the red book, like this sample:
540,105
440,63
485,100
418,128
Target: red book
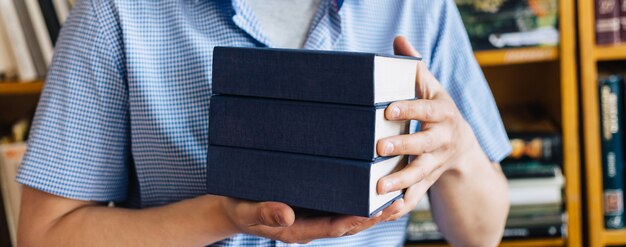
607,22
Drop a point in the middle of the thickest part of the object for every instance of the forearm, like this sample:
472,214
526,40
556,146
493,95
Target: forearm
470,203
191,222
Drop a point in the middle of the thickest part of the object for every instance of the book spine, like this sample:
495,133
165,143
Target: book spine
417,232
538,147
529,169
611,98
62,8
294,75
311,182
51,19
607,16
41,30
25,64
8,69
623,19
296,127
31,38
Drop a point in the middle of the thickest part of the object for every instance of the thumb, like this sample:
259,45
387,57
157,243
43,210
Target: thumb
427,85
274,214
401,46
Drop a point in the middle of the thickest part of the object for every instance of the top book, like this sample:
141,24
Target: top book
320,76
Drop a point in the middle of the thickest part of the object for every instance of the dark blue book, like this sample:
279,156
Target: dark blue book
611,120
344,131
322,76
326,184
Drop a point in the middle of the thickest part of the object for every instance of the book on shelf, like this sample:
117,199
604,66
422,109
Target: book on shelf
8,69
422,228
17,39
607,22
508,24
39,25
283,131
29,31
10,158
612,145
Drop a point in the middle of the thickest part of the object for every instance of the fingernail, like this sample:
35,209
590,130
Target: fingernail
388,148
278,219
378,214
395,112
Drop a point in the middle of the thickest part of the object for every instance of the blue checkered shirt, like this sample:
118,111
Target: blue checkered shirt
124,113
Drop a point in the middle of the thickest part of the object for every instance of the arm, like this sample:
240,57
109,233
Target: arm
49,220
449,161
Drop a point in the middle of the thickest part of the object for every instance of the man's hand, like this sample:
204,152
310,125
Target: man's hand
278,221
445,138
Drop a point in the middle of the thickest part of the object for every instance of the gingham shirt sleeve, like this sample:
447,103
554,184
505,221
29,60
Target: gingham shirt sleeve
453,63
79,143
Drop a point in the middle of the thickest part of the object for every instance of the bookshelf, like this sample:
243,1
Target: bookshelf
547,76
20,88
517,56
590,55
512,243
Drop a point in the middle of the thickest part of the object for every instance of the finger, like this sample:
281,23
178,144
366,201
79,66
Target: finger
274,214
412,144
307,229
383,215
415,172
421,109
412,196
427,85
401,46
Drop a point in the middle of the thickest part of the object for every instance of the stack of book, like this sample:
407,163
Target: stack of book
535,181
610,20
611,95
28,32
507,24
301,127
12,149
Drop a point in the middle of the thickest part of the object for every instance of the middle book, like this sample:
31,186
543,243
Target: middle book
325,129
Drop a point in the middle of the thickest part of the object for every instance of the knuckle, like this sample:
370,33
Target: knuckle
428,141
420,173
429,111
336,233
405,145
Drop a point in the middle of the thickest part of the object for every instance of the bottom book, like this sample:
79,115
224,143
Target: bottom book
427,232
334,185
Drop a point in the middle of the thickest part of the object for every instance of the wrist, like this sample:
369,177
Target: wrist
469,157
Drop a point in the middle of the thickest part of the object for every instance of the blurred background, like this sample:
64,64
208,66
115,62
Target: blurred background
555,67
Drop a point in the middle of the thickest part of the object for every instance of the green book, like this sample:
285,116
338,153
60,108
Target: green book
611,119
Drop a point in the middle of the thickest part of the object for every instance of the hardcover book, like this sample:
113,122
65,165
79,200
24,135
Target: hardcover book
342,186
612,146
321,76
607,14
344,131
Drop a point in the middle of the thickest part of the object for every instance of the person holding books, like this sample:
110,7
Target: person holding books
123,119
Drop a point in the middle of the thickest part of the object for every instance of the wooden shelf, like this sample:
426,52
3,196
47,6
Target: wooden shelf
590,55
548,242
516,55
615,237
608,53
12,88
